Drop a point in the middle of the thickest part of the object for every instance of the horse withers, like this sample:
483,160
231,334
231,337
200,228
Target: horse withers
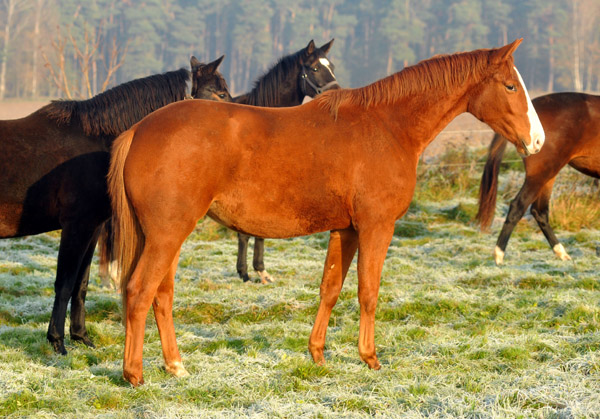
572,125
54,176
345,162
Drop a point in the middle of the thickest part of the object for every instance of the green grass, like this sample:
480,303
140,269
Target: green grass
456,335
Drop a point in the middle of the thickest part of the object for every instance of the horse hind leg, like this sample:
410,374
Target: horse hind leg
75,241
78,330
242,256
516,210
341,250
163,313
258,261
155,263
540,211
107,270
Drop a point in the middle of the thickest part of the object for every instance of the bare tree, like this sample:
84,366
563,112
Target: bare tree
87,54
39,5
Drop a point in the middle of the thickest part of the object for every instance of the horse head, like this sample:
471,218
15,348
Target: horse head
207,82
504,104
317,73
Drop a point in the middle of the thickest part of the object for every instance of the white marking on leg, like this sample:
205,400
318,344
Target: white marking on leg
177,369
265,278
536,131
560,252
498,255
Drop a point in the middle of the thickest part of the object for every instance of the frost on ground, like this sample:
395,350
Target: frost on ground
457,336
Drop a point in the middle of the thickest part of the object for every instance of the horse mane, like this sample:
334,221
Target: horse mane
439,72
266,90
117,109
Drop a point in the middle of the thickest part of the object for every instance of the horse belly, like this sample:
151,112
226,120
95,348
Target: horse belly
278,220
588,165
10,215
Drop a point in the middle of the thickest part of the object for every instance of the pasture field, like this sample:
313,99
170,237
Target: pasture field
456,335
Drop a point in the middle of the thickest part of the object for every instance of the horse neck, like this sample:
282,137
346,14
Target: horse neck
287,94
418,118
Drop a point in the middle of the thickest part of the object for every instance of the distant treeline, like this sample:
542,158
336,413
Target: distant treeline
68,48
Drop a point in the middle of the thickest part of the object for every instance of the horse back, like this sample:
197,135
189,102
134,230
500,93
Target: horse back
308,170
572,125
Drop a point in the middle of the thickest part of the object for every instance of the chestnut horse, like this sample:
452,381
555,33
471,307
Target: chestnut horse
344,162
293,80
572,125
54,168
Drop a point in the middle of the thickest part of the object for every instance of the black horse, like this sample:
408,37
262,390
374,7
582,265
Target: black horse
294,79
54,174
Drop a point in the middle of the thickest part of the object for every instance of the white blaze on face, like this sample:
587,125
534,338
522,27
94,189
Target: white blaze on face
325,62
536,131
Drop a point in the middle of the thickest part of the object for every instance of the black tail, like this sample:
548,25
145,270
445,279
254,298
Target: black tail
489,183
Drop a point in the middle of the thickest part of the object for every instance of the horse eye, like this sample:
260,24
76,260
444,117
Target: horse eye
315,69
511,87
222,96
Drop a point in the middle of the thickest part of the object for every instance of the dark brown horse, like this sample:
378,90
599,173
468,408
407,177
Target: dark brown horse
345,162
290,82
54,168
572,125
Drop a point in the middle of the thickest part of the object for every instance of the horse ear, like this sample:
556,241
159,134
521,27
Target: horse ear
212,67
501,54
325,48
195,64
310,48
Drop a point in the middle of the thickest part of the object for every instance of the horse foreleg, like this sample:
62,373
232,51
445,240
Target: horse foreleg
74,243
341,250
78,330
154,264
540,211
163,313
258,261
517,208
372,249
242,262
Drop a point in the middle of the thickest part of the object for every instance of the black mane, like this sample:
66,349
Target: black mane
117,109
267,89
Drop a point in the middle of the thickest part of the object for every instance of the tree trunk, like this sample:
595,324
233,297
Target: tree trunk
575,34
36,46
10,9
550,87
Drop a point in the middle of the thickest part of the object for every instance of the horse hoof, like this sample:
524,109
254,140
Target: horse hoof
85,340
317,355
373,364
245,277
498,255
134,381
59,347
560,252
265,278
177,369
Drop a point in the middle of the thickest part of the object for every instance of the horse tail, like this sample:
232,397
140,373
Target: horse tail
128,237
488,187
